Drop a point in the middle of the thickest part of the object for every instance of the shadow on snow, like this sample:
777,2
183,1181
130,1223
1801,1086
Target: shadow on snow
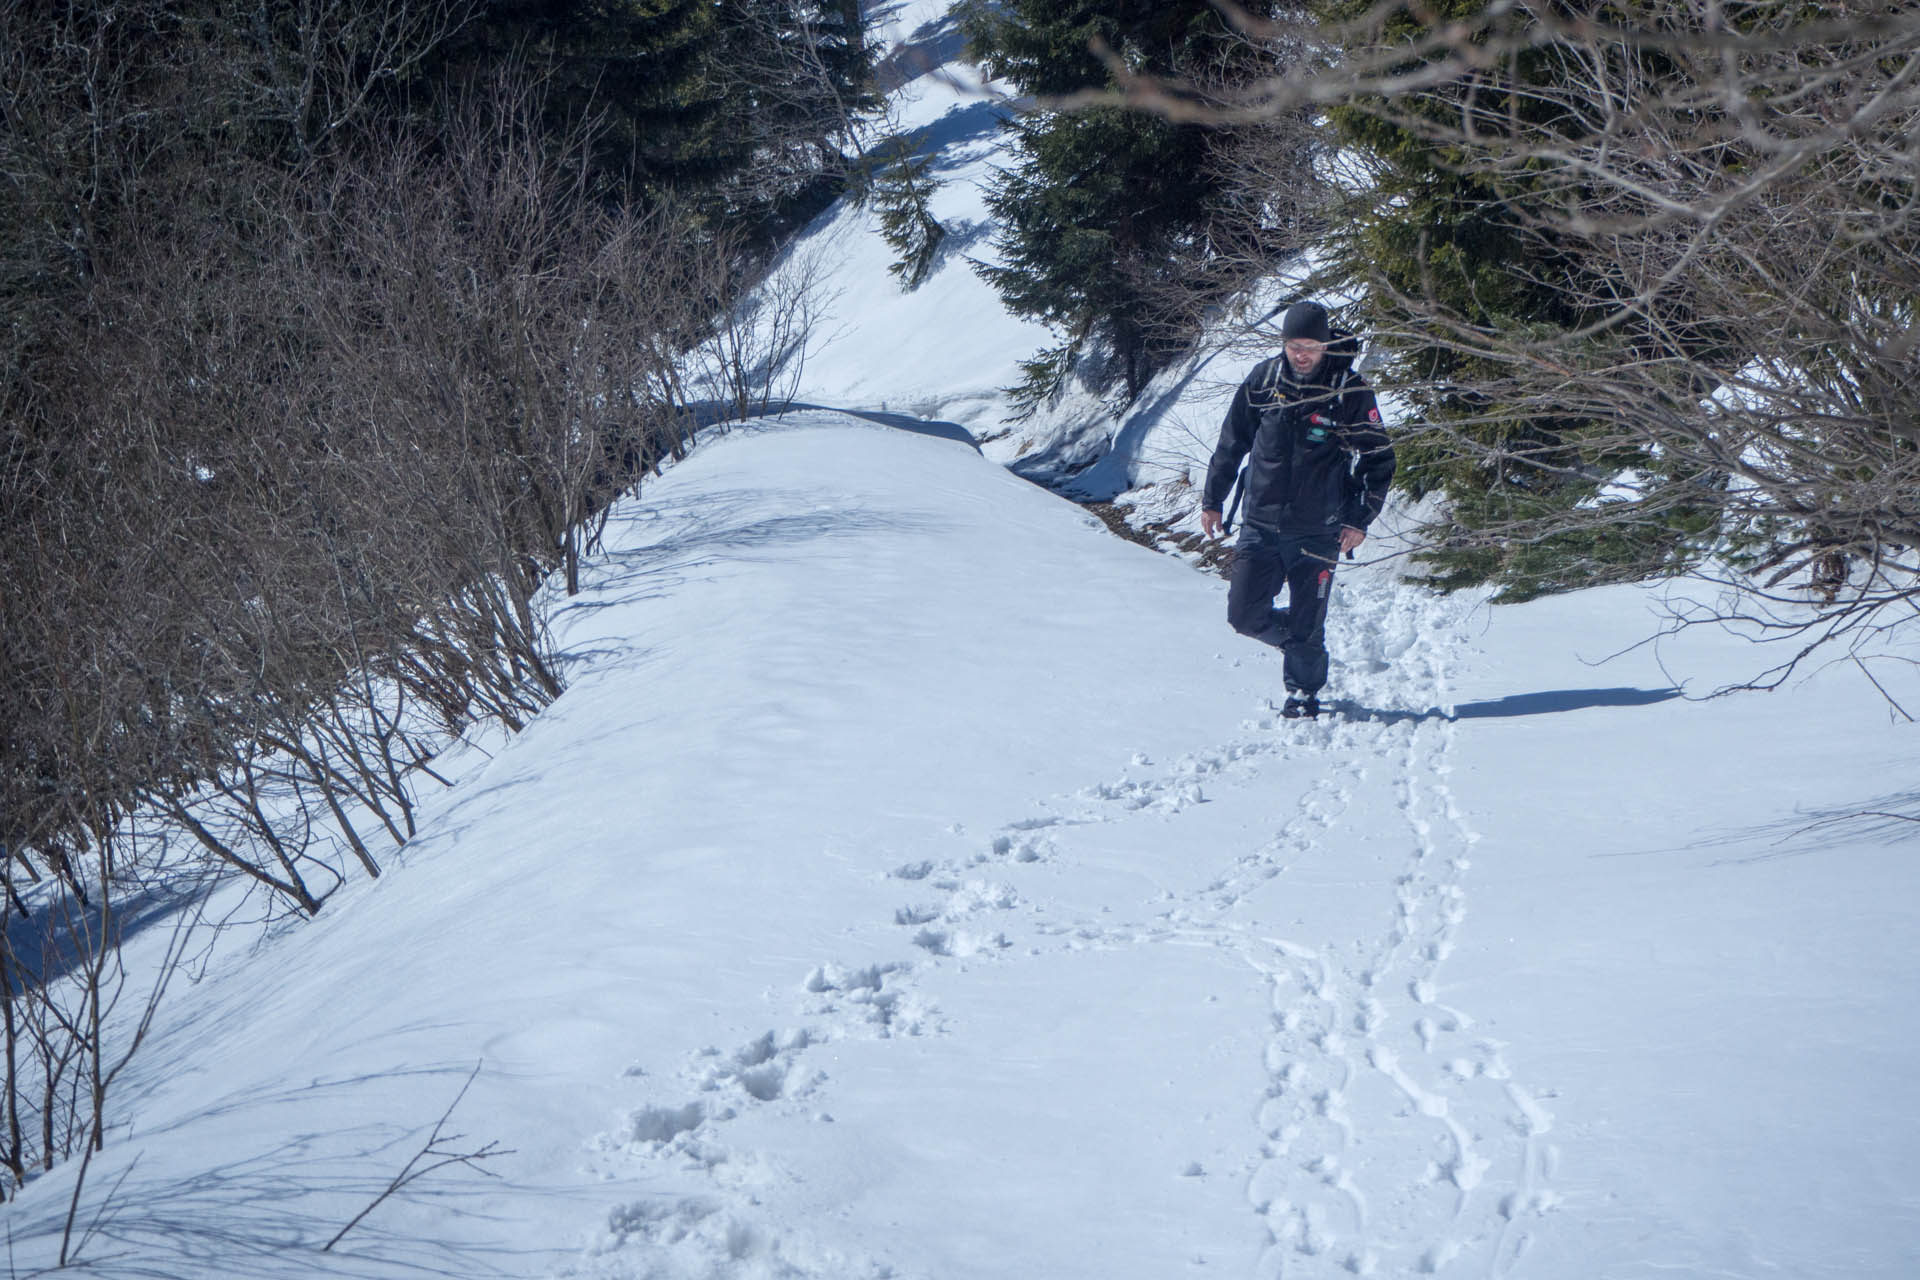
272,1211
1516,704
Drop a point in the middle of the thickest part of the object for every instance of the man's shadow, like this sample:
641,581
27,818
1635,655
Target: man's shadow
1516,704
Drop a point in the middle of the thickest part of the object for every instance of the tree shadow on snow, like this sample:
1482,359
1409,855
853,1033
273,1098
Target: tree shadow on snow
655,548
270,1213
45,950
959,137
1516,704
1885,820
708,529
931,46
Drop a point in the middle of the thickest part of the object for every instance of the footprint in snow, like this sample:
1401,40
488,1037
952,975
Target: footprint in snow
874,1000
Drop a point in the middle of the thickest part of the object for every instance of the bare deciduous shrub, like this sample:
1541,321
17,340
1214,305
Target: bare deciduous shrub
283,497
753,355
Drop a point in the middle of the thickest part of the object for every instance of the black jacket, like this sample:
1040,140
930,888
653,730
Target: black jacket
1321,457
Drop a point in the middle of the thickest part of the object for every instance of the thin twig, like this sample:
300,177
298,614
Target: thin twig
429,1150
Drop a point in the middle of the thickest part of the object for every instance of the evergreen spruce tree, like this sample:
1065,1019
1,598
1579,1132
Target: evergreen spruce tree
1465,241
738,109
901,191
799,83
1099,204
646,68
835,33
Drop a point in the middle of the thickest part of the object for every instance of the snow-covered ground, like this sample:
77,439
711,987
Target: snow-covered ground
946,350
916,881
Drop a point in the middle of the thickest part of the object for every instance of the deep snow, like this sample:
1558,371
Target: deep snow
916,881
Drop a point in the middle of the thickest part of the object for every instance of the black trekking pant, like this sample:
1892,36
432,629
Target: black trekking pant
1264,560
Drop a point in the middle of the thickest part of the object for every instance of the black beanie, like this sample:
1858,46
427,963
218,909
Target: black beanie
1306,320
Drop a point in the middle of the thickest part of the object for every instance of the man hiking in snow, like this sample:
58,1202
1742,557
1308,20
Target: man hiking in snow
1319,474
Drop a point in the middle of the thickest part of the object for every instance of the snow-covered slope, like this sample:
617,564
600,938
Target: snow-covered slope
947,349
915,881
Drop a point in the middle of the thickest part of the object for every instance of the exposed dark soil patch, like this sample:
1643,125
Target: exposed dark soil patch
1215,557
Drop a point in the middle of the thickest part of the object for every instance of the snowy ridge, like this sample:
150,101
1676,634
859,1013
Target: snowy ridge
1341,1183
916,881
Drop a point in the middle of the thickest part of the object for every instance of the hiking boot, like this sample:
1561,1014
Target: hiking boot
1301,706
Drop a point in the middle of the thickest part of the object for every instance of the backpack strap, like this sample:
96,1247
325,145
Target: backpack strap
1264,391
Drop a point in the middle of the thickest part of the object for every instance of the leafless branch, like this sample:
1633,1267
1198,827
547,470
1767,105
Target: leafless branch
434,1154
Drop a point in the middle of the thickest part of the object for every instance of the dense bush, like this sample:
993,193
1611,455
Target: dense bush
332,326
